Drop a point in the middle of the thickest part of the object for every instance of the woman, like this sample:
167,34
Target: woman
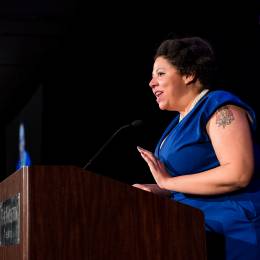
205,158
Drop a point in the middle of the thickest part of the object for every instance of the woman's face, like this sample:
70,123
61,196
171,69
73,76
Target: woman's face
168,85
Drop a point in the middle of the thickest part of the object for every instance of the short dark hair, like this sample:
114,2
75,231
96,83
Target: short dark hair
190,56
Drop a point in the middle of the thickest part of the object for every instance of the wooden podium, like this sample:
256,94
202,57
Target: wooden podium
66,213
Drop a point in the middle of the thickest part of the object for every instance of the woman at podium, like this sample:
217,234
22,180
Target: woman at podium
206,157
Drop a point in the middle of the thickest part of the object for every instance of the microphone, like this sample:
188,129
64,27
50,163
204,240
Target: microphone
134,124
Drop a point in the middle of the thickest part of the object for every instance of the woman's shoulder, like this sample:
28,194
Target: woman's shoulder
219,98
222,95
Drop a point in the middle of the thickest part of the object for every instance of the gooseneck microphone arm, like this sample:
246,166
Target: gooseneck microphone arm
105,144
135,123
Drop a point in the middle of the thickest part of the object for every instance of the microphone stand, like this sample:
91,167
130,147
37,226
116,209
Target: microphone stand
104,145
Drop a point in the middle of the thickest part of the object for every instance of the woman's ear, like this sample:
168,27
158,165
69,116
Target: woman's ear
188,79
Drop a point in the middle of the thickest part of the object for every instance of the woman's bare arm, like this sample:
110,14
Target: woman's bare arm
231,138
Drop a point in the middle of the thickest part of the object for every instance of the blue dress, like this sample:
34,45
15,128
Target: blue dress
185,148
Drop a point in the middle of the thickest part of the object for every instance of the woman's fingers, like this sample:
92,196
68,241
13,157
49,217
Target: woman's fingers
142,187
147,155
156,167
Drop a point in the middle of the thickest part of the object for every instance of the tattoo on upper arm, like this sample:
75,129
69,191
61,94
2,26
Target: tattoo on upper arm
224,116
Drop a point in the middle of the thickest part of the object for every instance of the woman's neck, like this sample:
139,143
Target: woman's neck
193,101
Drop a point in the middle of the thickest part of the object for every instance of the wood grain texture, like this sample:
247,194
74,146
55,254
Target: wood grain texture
75,214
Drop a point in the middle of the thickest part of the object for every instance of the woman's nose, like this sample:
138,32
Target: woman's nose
153,83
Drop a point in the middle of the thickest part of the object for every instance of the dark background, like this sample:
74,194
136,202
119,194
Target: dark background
93,63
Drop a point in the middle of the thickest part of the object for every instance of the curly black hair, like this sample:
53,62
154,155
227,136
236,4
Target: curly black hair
190,56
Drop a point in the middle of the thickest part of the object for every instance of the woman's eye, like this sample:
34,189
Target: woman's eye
160,74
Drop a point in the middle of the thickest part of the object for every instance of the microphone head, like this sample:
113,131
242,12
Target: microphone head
137,123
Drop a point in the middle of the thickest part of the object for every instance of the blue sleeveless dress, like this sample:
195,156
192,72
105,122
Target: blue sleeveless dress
185,148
